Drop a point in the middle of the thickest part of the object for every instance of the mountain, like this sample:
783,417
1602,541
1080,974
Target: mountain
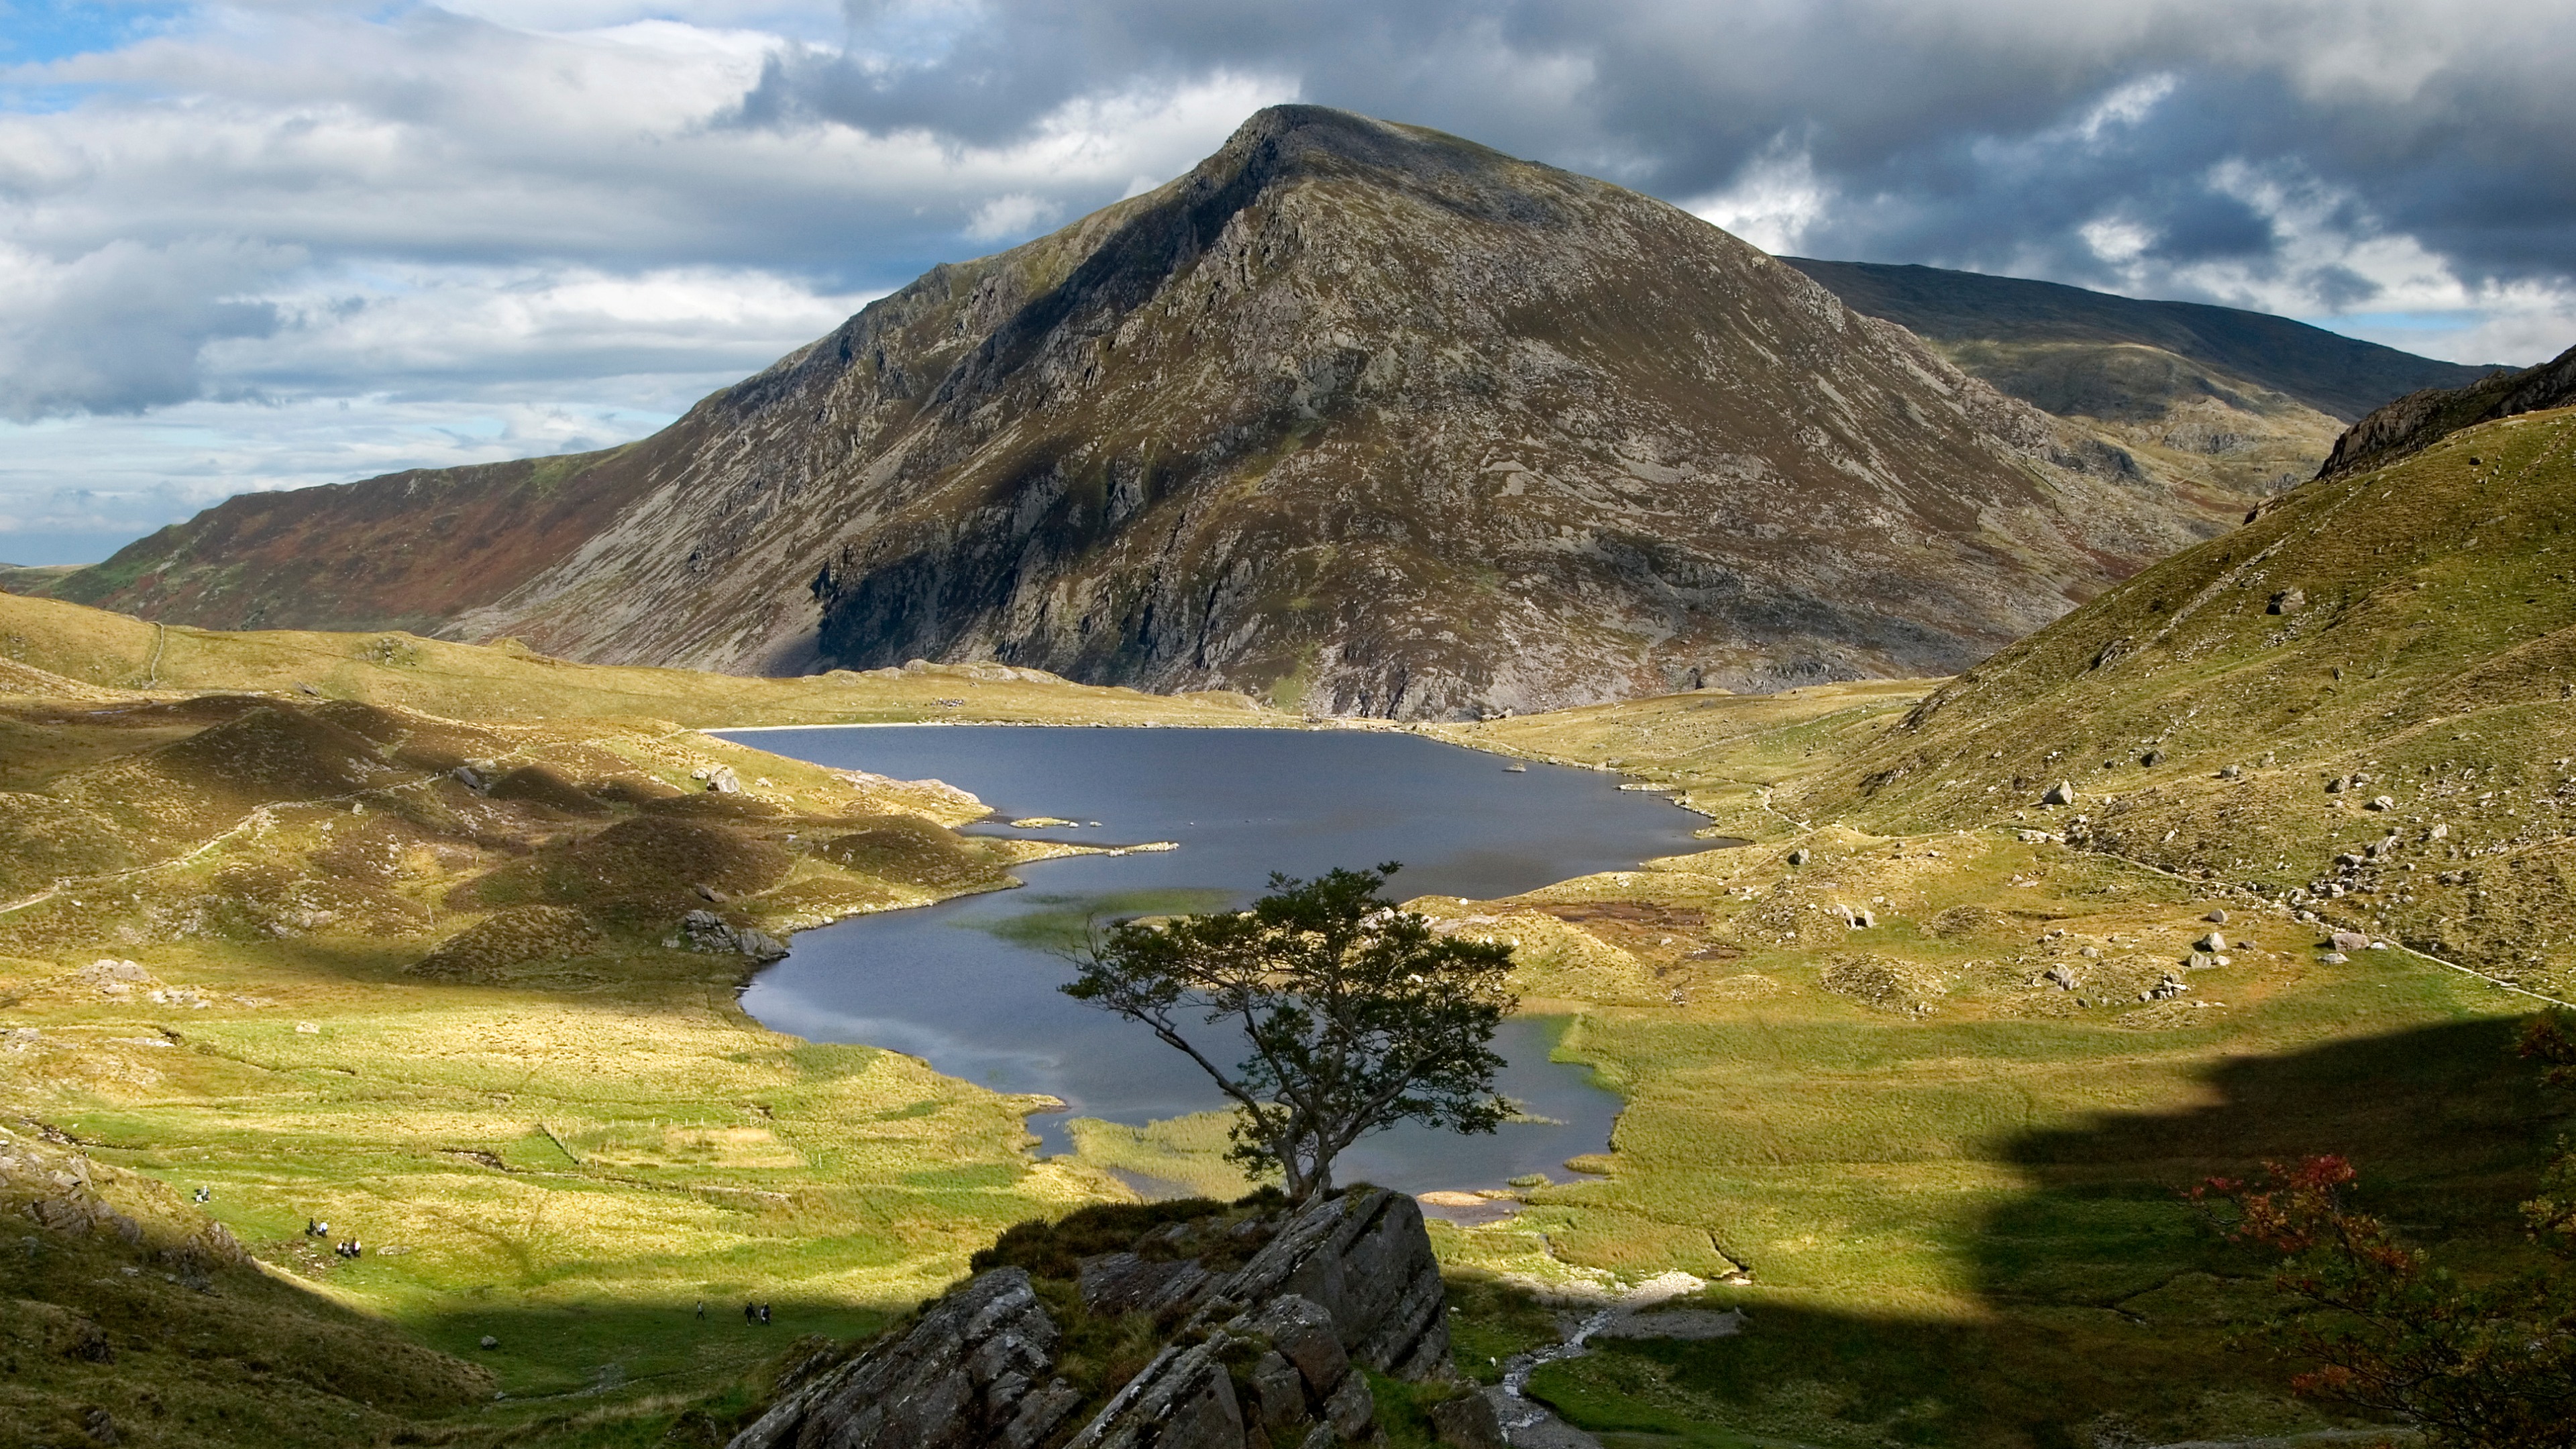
2199,395
2419,420
2356,702
1362,416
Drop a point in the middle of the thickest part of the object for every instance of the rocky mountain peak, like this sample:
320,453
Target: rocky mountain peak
1355,415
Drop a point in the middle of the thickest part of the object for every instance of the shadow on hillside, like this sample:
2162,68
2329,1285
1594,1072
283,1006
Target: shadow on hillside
2107,1294
2446,1126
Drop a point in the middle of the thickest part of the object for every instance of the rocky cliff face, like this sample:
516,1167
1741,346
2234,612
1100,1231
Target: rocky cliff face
1362,416
1263,1323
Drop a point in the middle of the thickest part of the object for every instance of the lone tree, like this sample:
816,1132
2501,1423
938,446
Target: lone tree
1356,1016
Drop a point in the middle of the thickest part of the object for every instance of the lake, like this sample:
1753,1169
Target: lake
970,984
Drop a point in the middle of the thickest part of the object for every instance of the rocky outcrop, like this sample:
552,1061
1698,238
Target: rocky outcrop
1363,417
972,1373
1265,1351
2419,420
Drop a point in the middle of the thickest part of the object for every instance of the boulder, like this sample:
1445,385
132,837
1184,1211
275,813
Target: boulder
1365,1259
707,931
973,1372
2061,793
1302,1334
1468,1422
1338,1282
2350,941
1125,1283
1183,1400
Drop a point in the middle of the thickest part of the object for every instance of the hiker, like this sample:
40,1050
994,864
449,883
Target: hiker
702,1310
751,1313
764,1315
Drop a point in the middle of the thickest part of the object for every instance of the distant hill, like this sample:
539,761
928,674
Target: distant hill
1360,416
2209,401
2342,377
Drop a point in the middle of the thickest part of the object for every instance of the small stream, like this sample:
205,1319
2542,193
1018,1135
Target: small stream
970,984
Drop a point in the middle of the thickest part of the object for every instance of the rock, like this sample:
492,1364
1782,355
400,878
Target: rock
2335,785
1115,1283
2062,978
2231,772
1303,1333
1798,856
707,931
2214,941
490,1342
964,1377
1468,1422
1278,1393
2061,793
724,781
2151,759
1364,1258
1339,1281
2333,958
2165,990
2035,837
2199,961
1350,1411
2287,601
1183,1400
2350,941
2217,917
2381,802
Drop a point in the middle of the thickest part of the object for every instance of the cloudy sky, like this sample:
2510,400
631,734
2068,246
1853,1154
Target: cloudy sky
280,242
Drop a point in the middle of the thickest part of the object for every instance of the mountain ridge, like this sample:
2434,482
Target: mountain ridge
2342,377
1364,417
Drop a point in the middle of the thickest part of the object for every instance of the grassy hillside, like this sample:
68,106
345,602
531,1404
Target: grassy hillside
2238,713
1934,1059
332,956
117,652
1927,1057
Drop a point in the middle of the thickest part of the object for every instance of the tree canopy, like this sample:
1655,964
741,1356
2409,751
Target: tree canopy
1354,1015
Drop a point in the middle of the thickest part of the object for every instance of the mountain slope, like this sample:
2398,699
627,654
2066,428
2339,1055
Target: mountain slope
2201,396
2342,377
2357,701
1369,417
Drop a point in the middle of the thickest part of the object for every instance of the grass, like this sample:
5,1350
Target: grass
1953,1178
452,1023
1955,1181
95,649
1173,1156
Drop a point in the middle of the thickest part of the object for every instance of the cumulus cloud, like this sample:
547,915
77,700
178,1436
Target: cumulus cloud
121,328
441,224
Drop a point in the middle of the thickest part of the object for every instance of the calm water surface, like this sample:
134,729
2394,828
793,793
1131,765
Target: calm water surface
970,984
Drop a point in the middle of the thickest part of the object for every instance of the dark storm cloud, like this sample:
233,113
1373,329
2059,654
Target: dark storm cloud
1986,134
